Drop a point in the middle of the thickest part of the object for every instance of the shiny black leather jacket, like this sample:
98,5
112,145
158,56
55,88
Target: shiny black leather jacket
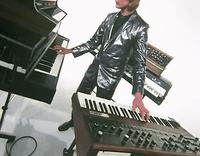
129,41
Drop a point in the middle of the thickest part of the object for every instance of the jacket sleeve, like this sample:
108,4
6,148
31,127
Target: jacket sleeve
92,44
139,63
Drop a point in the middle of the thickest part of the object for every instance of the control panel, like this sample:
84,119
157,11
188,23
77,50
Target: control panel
120,134
161,58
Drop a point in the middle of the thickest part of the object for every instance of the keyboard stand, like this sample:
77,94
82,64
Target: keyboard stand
10,138
69,151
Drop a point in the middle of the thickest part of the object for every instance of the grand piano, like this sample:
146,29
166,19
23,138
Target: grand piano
28,31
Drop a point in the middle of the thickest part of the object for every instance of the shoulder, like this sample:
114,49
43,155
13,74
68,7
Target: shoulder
137,19
111,15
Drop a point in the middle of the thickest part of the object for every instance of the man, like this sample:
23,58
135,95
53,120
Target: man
121,36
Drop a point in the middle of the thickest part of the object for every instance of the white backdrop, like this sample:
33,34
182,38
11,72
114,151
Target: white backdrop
174,29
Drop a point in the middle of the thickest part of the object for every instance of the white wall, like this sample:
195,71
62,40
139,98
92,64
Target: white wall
174,29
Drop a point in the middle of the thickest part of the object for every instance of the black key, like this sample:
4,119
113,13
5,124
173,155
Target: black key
123,112
174,124
114,111
101,107
126,113
117,110
86,102
166,122
157,119
153,120
137,116
91,105
141,116
104,106
177,124
95,105
149,119
111,109
132,115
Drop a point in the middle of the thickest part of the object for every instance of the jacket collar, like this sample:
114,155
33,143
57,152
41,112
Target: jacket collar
124,27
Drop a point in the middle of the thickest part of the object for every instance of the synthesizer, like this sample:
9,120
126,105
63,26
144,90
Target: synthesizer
28,65
157,60
104,125
156,88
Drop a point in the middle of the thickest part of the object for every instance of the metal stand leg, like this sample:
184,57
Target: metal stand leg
70,151
10,138
5,107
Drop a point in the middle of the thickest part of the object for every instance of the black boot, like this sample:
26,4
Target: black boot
65,126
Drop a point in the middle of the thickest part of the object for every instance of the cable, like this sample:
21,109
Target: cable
9,152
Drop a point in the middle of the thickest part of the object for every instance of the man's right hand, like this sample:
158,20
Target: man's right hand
61,50
137,102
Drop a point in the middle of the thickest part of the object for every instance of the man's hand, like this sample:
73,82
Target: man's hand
62,50
138,103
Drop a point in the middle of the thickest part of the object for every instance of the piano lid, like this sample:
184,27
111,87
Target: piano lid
50,10
39,19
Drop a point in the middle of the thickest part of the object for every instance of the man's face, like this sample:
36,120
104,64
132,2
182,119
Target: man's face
120,4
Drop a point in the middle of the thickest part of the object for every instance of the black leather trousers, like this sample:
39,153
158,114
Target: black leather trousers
87,85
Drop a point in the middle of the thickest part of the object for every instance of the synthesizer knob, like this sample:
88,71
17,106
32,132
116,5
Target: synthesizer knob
112,129
95,126
143,134
165,145
186,147
119,131
140,140
196,139
196,149
152,144
176,147
130,132
170,146
180,137
136,134
184,141
104,127
125,139
171,139
98,135
146,142
149,135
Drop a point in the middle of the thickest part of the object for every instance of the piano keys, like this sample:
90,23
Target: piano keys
103,125
106,108
28,65
156,88
40,84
